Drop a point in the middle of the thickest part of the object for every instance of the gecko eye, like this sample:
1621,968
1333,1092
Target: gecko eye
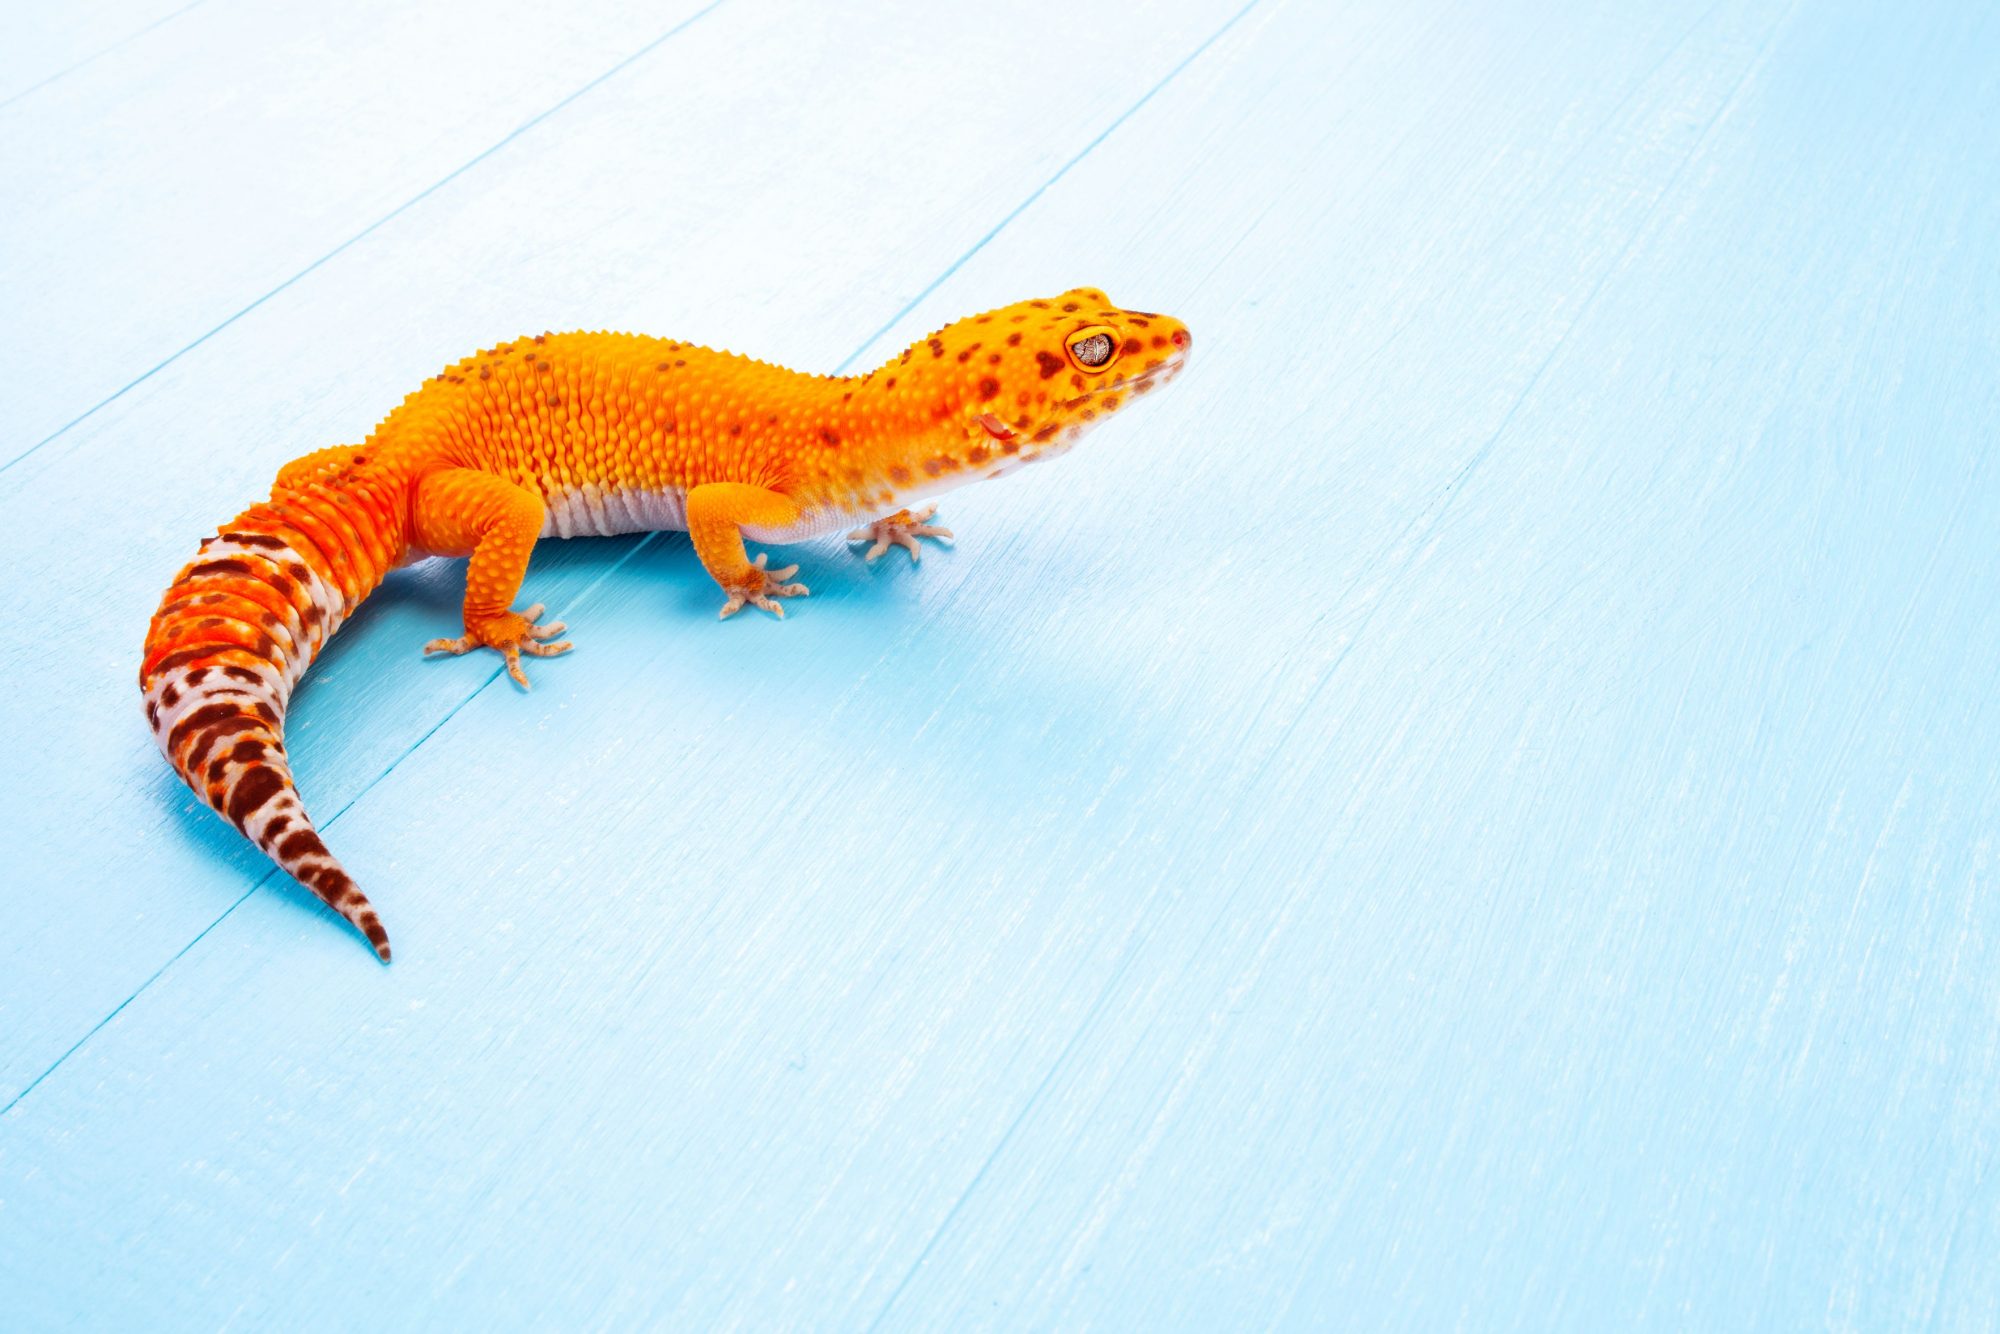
1091,349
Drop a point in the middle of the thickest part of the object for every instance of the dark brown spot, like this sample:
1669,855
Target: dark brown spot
830,436
995,359
1039,305
663,366
1010,446
1132,347
1071,307
258,785
933,467
262,539
1050,363
208,715
899,474
1014,339
1047,432
1159,340
218,734
937,347
305,843
1143,324
890,383
988,387
978,453
1110,402
182,657
966,355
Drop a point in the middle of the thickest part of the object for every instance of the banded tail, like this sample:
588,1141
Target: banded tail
235,632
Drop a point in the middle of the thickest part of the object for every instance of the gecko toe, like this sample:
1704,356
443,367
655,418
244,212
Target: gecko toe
901,529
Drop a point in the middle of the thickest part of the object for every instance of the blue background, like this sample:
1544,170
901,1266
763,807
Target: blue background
1475,807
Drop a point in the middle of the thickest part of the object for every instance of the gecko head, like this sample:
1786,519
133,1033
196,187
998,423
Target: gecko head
1025,382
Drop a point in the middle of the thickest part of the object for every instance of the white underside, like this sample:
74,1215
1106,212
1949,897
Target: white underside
590,511
593,511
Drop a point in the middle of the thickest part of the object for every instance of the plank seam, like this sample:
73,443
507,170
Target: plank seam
583,597
126,40
374,227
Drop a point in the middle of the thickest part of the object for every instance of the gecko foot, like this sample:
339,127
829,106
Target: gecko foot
510,634
900,529
759,586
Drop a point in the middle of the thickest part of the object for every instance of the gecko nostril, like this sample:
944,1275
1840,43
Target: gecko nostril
1182,338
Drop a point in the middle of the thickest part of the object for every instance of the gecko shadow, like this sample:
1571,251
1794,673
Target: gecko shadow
370,698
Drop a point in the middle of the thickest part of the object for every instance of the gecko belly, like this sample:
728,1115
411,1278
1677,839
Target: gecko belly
594,511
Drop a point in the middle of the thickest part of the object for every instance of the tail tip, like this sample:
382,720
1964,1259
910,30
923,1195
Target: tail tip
371,927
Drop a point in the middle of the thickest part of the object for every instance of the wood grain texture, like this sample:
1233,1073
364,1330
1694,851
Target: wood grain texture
1473,809
206,162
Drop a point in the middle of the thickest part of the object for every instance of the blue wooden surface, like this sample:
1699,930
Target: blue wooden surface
1475,808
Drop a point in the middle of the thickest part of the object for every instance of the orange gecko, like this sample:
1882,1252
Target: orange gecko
600,433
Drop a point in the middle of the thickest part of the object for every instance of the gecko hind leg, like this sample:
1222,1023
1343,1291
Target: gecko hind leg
900,529
510,634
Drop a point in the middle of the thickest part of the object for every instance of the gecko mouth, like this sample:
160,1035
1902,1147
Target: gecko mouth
1165,371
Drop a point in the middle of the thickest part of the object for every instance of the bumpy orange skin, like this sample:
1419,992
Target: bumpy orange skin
598,433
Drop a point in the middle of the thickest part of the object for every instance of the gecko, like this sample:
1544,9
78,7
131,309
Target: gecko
565,435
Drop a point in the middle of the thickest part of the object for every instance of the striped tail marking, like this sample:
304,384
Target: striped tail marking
233,635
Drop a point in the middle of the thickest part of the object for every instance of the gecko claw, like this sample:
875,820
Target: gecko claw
759,587
509,634
900,529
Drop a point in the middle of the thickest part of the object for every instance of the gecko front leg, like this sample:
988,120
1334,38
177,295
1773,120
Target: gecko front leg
900,529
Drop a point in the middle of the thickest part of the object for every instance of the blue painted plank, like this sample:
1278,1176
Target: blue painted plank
171,184
1471,809
45,43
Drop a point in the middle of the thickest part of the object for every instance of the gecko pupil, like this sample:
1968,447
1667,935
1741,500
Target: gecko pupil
1094,350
